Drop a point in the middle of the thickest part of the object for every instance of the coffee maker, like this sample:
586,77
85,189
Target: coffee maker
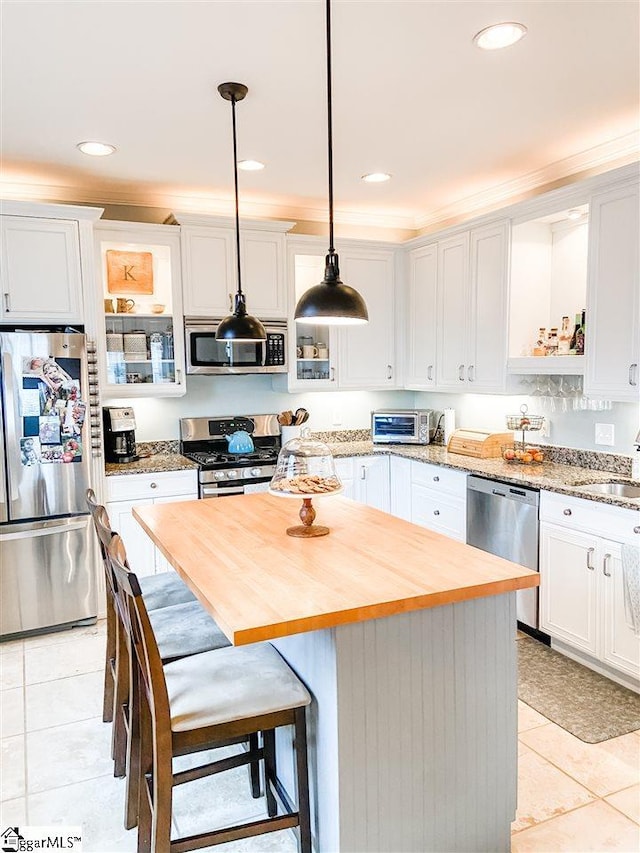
119,434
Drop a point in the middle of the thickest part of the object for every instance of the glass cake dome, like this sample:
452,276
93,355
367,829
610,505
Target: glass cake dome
305,468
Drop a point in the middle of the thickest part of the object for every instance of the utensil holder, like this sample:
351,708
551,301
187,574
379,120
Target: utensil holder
289,432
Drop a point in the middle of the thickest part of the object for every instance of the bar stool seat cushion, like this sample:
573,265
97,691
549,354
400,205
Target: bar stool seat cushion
185,629
164,589
231,684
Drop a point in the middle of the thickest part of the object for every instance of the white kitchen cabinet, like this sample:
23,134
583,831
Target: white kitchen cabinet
126,491
420,367
367,353
439,499
140,351
400,487
209,266
365,479
582,585
471,310
40,269
612,340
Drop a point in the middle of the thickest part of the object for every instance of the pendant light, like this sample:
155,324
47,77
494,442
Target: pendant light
238,327
331,303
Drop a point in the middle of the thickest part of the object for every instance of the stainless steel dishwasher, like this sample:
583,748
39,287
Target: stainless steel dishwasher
503,520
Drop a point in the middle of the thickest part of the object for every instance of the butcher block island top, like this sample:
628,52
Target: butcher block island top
259,583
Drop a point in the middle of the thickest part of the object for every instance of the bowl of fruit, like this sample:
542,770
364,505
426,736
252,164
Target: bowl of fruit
522,454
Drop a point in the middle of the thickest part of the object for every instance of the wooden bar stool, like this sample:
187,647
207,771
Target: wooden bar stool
201,702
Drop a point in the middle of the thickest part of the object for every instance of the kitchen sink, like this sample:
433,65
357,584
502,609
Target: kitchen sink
616,489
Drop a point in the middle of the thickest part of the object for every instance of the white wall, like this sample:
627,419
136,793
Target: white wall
568,271
568,429
157,419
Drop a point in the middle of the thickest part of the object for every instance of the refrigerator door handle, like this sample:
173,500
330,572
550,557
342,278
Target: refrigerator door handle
11,438
44,531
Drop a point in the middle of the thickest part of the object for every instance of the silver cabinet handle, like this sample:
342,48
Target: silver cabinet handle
363,472
231,302
153,485
389,372
471,373
461,373
436,512
605,566
7,304
590,553
636,529
430,373
179,376
633,373
333,374
566,512
436,479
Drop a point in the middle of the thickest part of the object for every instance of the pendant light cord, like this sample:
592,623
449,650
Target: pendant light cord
330,128
235,178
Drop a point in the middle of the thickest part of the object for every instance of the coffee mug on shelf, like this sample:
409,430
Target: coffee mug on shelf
125,306
309,351
108,306
323,351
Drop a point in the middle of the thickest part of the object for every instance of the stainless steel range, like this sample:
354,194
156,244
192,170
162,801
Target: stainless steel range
221,473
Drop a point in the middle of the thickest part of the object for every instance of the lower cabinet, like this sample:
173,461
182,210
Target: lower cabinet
439,499
365,479
582,593
124,491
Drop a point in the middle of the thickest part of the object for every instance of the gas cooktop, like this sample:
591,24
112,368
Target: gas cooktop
211,460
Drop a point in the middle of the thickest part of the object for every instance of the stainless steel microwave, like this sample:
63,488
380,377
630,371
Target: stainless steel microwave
401,426
207,355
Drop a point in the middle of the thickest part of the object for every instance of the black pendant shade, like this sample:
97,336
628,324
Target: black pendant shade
239,326
331,303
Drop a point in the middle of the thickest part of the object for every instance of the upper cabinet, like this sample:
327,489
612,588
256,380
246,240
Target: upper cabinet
367,353
471,297
41,271
209,266
139,298
612,343
420,363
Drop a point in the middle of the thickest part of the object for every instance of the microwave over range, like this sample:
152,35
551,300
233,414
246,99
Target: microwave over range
207,355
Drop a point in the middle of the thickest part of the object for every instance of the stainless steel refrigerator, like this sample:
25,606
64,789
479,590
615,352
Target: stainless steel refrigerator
47,570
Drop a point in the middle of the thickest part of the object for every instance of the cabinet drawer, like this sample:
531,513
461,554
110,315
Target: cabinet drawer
166,484
442,480
617,523
441,513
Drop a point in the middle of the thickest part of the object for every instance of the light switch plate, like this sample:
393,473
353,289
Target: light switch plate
605,434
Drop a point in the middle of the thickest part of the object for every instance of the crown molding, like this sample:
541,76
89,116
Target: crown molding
617,152
9,207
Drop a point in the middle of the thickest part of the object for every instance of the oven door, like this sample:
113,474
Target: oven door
223,490
398,428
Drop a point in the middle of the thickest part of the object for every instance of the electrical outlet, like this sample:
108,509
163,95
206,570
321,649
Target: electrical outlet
336,418
605,434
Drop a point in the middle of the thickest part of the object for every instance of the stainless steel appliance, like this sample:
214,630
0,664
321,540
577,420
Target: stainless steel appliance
503,520
207,355
47,571
401,426
119,434
221,473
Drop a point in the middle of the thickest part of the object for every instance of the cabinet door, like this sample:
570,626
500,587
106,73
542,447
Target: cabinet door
620,646
487,345
440,513
421,319
41,277
367,357
568,585
453,300
208,271
372,477
344,470
140,548
263,278
161,562
612,340
400,487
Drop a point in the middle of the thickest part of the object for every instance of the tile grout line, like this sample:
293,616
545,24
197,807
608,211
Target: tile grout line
569,811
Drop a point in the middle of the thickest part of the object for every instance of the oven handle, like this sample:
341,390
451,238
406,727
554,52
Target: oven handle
214,491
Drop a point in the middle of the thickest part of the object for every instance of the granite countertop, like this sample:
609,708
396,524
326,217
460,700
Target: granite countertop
155,463
551,476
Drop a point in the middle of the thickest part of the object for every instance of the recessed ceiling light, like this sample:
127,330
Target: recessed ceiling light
498,36
96,149
376,177
574,214
250,165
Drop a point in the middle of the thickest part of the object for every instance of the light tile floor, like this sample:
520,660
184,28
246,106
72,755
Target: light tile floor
56,767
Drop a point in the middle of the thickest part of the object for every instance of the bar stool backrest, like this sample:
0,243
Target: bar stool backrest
142,640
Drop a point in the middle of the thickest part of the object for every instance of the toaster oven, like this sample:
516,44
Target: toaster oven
401,426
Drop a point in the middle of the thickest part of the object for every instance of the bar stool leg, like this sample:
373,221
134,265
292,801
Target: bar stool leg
269,742
302,779
254,767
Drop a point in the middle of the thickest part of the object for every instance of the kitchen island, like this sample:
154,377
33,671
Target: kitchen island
406,640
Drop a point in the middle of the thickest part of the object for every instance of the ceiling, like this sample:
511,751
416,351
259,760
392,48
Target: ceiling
458,128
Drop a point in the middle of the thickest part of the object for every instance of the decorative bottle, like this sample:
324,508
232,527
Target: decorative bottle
564,337
552,341
541,344
580,334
